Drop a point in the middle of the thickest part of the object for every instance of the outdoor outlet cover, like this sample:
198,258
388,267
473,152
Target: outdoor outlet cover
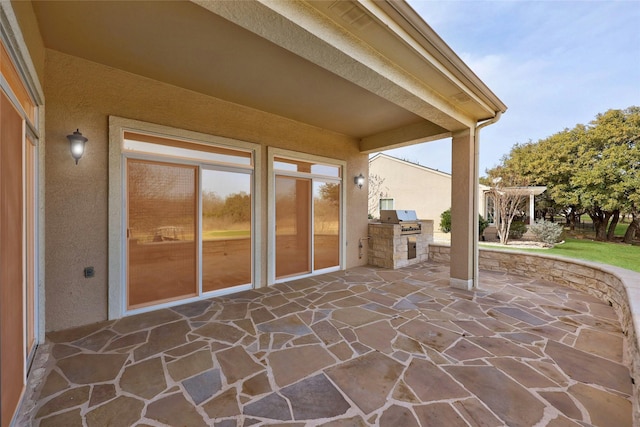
89,272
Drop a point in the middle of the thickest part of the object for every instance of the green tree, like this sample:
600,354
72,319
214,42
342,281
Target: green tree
552,162
608,176
589,169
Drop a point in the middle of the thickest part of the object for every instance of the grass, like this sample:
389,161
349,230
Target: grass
620,255
621,229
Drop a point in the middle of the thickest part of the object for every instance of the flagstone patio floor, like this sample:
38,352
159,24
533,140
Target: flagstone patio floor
360,347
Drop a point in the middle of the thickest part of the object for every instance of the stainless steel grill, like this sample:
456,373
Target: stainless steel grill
407,219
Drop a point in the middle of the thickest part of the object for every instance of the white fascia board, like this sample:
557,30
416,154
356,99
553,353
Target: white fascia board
373,8
429,39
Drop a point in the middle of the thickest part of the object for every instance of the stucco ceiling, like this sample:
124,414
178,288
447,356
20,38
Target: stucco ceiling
302,77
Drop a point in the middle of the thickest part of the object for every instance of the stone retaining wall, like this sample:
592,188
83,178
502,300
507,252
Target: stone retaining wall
616,286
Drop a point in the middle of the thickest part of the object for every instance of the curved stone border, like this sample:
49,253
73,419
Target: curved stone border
616,286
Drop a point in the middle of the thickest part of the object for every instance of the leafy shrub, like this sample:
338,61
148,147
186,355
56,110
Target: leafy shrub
546,232
482,224
445,221
517,229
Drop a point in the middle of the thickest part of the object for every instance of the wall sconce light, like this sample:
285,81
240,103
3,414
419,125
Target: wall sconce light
76,144
358,180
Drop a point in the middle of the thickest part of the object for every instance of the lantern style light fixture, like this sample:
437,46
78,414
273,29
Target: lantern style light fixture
76,144
358,180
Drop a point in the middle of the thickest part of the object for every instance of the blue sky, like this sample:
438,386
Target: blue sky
554,63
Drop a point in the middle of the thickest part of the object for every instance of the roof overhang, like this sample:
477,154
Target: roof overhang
372,70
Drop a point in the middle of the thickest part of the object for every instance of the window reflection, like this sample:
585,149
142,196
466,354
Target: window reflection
326,224
293,223
226,229
139,143
291,165
326,170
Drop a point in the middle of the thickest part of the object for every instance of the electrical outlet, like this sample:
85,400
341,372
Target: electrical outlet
89,272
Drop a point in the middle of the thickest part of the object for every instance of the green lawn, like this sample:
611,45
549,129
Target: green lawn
625,256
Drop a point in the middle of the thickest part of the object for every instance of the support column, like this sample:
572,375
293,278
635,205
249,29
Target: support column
532,209
464,210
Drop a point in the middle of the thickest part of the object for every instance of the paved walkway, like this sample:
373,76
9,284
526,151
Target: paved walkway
362,347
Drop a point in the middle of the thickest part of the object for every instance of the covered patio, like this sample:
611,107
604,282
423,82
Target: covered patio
364,346
269,93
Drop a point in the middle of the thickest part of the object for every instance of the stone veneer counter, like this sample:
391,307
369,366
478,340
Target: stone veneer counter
389,248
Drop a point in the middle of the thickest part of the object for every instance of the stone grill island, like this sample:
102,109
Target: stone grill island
399,239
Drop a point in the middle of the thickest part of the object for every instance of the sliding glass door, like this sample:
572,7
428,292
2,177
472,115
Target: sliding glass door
19,252
308,216
189,220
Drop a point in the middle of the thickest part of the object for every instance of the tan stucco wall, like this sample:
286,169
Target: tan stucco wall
82,94
413,187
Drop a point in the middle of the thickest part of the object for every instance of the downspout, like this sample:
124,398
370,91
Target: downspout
476,191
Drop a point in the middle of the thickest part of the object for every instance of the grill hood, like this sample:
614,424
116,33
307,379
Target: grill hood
397,216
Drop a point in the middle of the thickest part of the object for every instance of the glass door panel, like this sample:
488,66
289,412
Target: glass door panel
326,224
226,229
162,215
293,226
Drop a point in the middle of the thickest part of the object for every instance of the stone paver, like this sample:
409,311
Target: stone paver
360,379
314,398
144,379
293,364
507,399
360,347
